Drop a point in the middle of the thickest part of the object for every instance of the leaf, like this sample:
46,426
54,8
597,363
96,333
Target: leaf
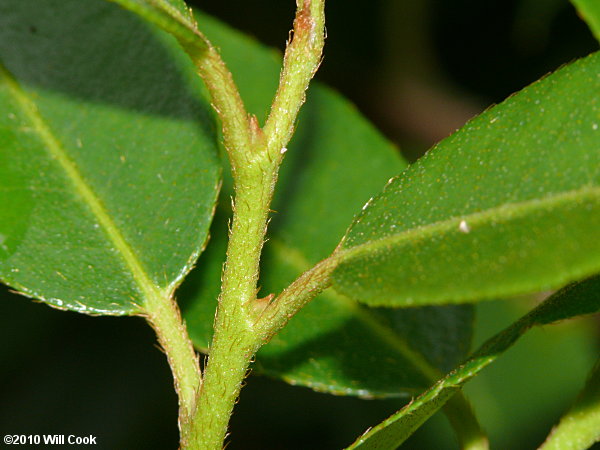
589,10
108,169
509,204
334,161
565,352
580,427
573,301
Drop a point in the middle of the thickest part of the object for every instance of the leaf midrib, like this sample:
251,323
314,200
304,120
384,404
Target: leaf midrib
55,149
476,219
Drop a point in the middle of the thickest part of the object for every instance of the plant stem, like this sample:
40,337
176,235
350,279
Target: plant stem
462,419
234,340
164,316
301,61
276,315
255,158
224,94
226,101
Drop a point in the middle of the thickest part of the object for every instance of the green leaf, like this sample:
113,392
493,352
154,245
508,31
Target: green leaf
576,300
565,352
108,169
334,161
509,204
589,10
580,427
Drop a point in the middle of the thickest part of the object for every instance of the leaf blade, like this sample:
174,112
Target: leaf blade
463,224
105,151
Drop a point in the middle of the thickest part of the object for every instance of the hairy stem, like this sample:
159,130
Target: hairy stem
163,314
233,342
301,61
226,101
274,316
244,323
255,156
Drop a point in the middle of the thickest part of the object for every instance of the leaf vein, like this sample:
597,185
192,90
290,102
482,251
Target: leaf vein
56,150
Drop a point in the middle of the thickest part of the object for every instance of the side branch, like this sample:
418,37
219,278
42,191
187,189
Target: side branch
274,316
226,100
224,94
301,61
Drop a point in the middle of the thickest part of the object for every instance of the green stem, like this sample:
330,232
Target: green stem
224,94
301,61
462,418
164,316
243,324
234,340
275,315
255,157
227,102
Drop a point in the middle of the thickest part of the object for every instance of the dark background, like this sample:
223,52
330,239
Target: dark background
418,69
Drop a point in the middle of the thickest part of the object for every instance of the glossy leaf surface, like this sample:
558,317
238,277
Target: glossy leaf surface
108,172
334,161
573,301
509,204
589,10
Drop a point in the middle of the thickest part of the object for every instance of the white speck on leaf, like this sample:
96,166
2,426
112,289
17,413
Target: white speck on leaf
464,227
283,150
594,126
